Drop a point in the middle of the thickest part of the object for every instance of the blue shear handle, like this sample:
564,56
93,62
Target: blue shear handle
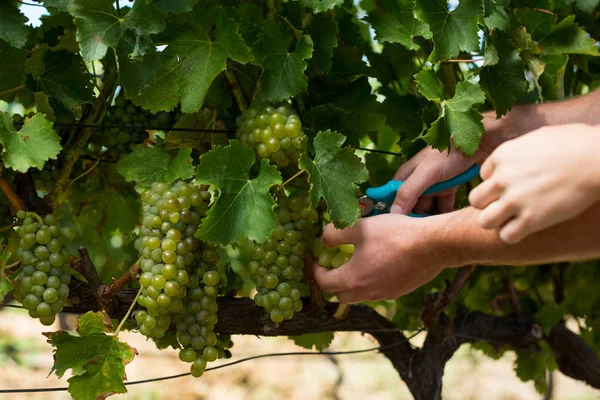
387,192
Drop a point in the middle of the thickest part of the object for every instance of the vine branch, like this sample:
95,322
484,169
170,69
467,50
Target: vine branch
10,194
238,96
15,89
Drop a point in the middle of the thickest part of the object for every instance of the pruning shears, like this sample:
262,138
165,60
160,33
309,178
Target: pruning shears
378,200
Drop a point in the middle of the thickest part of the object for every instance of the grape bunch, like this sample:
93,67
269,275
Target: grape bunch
197,320
119,141
277,266
332,257
168,250
43,285
45,179
274,132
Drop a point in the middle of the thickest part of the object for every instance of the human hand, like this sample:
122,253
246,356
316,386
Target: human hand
394,255
431,166
539,180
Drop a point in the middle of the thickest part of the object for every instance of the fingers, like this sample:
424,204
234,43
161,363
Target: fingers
408,167
514,231
496,214
488,167
486,193
412,188
423,205
350,297
334,237
330,280
445,202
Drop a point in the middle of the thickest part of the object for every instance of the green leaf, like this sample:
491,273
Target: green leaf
99,27
321,5
532,366
323,31
61,5
244,206
12,73
494,15
30,147
333,175
326,116
530,51
549,315
175,6
459,120
394,21
42,105
283,69
185,69
568,38
587,6
504,82
97,360
12,25
429,85
154,164
452,31
404,114
61,75
538,23
318,341
553,78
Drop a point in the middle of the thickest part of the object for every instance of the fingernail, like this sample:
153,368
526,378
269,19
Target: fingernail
396,209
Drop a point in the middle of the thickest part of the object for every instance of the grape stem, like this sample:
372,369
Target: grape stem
11,195
126,317
8,228
297,174
238,96
110,291
85,173
11,266
15,89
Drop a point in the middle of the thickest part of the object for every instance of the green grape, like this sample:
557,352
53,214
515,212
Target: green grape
45,264
332,257
273,132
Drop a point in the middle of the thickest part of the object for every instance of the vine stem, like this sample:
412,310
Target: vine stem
86,172
8,228
126,317
15,89
238,96
297,174
74,151
10,266
466,60
14,199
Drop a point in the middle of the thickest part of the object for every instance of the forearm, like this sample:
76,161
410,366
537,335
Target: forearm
464,242
529,117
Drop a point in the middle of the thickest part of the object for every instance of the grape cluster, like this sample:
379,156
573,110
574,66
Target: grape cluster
277,266
332,257
45,179
196,322
43,285
274,132
168,249
115,142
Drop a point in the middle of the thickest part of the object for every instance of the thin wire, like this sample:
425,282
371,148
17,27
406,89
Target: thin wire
157,128
31,4
229,364
142,128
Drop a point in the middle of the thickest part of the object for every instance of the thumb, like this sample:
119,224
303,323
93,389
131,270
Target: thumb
412,188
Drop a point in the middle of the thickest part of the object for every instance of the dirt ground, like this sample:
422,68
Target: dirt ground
469,375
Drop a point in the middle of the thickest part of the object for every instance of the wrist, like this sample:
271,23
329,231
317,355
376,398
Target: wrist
447,240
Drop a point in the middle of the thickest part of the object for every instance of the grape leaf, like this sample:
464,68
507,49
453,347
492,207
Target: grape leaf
333,175
321,5
326,116
549,315
552,80
530,51
504,82
62,76
568,38
533,366
30,147
394,21
185,69
538,23
97,359
99,26
283,69
429,85
175,6
323,30
394,65
494,15
587,6
42,105
319,341
244,206
61,5
459,120
12,25
12,73
452,31
154,164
